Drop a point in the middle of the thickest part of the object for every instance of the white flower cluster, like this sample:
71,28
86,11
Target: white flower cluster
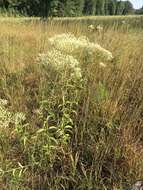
71,45
67,51
5,115
7,118
60,61
68,43
93,28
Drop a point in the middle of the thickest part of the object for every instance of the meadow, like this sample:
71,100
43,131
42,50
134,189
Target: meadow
70,116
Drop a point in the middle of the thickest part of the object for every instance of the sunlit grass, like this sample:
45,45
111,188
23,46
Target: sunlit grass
64,133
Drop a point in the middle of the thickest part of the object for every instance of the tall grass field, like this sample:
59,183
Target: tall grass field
71,103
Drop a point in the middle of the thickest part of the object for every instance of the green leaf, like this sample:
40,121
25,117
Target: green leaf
40,131
52,129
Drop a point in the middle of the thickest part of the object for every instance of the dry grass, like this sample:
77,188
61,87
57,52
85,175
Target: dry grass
106,148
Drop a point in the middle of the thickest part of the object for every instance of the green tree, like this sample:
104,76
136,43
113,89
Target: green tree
100,7
89,7
128,9
111,7
4,3
79,6
45,8
54,8
106,10
120,8
70,8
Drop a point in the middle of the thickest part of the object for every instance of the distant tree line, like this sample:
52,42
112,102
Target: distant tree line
139,11
61,8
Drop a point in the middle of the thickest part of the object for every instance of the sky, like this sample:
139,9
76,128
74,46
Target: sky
137,3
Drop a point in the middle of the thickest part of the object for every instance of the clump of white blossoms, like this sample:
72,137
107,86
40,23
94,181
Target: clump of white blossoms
98,28
5,115
91,28
7,118
60,61
68,51
71,45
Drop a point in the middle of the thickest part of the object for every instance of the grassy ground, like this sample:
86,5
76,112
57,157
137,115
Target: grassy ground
58,134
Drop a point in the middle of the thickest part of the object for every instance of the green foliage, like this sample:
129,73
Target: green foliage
90,7
61,8
101,93
128,8
112,7
39,146
120,8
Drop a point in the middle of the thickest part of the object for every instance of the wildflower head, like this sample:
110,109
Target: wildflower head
60,61
99,28
138,185
103,65
69,44
123,22
68,52
77,73
5,115
91,28
3,102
